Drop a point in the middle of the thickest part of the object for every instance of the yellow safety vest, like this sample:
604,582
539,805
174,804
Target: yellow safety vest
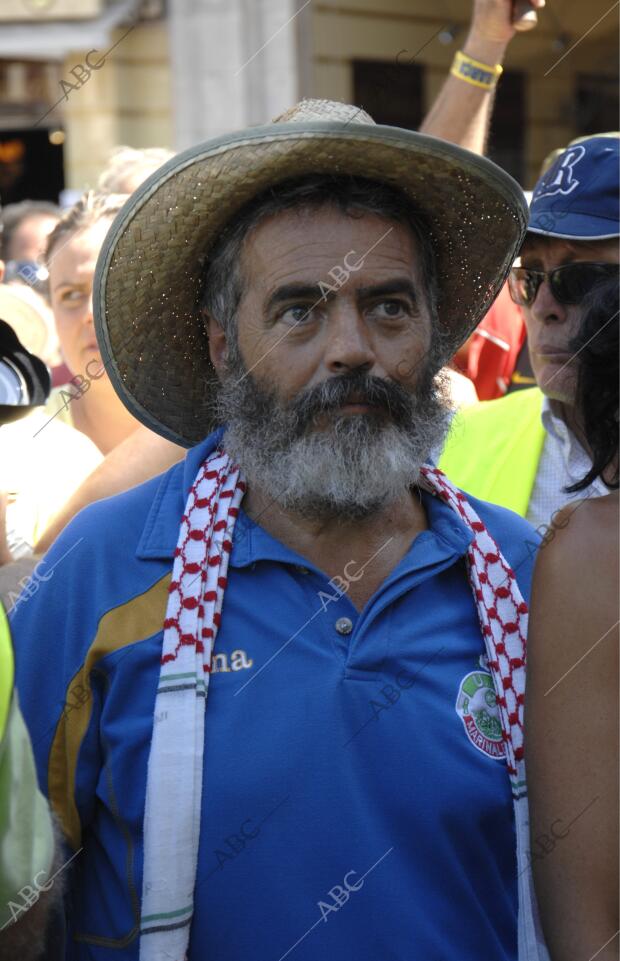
6,671
26,832
493,449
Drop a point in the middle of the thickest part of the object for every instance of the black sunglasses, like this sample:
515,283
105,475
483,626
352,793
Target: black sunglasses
569,284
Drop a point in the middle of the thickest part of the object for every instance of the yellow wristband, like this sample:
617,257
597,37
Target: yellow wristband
475,72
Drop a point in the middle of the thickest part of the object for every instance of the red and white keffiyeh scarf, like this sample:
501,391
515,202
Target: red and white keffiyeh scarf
176,763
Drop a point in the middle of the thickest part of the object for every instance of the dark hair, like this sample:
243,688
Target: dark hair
223,284
14,214
596,404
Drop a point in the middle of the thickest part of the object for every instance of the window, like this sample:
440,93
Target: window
392,93
508,125
596,104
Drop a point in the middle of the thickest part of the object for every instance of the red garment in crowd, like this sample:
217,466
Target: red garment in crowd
494,347
61,375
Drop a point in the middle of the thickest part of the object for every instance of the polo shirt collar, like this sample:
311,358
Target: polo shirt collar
161,530
447,535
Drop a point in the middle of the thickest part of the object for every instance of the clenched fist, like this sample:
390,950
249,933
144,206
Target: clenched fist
497,21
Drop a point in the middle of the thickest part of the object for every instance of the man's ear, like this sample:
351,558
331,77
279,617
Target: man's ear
217,341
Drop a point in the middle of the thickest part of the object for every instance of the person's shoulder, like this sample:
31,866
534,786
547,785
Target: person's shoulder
97,564
575,603
502,523
57,439
598,514
115,524
68,437
582,537
36,432
67,457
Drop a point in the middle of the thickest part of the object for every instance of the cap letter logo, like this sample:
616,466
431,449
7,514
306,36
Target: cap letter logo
564,181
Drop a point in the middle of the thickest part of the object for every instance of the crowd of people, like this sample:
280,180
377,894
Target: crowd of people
284,477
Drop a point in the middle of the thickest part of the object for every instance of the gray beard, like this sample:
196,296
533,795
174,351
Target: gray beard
354,467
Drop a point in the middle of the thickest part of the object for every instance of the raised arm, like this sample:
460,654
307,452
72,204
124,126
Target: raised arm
462,111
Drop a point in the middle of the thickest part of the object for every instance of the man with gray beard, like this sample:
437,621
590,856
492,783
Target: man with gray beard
281,301
338,464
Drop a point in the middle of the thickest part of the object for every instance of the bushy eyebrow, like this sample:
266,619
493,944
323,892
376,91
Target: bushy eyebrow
315,293
288,292
400,285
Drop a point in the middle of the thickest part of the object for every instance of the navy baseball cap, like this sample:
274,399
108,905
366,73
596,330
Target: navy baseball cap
578,197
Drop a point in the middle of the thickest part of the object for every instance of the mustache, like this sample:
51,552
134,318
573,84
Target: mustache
357,387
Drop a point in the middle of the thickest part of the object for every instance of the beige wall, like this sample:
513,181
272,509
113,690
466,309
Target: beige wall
127,101
23,10
343,30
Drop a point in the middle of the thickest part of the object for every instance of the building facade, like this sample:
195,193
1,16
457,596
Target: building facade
78,77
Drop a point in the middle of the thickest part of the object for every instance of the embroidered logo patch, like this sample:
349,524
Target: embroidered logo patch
477,708
561,179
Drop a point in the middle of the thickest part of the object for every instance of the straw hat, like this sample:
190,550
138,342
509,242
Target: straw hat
148,277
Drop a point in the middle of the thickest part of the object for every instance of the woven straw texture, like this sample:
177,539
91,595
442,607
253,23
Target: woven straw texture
148,279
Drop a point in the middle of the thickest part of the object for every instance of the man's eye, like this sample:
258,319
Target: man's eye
392,308
297,314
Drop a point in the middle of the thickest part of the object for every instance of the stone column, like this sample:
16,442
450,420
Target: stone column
234,64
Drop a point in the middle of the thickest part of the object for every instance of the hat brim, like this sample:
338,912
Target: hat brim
148,275
572,226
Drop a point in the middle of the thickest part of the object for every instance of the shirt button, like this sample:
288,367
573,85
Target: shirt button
344,625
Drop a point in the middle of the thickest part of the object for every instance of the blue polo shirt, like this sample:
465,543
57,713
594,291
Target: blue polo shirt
355,800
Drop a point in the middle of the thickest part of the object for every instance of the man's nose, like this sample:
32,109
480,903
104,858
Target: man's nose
348,345
546,308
